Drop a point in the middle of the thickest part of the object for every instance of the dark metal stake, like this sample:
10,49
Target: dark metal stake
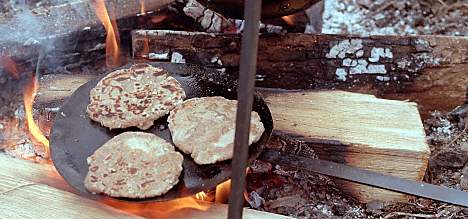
245,91
367,177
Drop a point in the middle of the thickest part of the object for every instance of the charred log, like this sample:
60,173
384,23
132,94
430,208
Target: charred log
396,67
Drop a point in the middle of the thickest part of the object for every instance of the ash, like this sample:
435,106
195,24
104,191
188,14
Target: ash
297,193
394,17
448,166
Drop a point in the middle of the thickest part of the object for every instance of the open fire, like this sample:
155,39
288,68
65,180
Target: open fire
112,37
286,61
24,124
15,128
29,94
201,201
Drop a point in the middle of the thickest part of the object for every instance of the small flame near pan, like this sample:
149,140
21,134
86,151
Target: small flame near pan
29,94
13,127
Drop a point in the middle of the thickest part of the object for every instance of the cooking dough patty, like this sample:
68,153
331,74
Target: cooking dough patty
134,165
204,127
134,97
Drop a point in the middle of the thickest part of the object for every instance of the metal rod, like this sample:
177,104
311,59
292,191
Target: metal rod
370,178
245,91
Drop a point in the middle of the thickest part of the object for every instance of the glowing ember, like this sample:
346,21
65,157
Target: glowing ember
29,94
112,38
9,66
289,19
15,134
201,196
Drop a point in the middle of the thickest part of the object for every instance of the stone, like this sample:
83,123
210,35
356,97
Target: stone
255,200
464,182
259,166
464,178
456,175
375,206
464,147
450,158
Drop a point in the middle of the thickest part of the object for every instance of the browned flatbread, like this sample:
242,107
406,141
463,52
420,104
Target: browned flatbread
134,165
134,97
204,127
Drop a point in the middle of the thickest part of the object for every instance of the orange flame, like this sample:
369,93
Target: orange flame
112,38
10,66
220,195
201,196
222,192
29,94
142,7
166,209
289,19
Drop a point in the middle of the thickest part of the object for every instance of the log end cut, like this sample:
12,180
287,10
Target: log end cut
360,130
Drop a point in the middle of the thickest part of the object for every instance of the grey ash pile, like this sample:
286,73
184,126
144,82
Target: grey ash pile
394,17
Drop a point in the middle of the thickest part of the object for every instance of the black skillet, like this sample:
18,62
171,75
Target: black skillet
74,136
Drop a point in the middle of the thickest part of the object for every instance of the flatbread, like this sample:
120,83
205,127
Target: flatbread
134,165
134,97
204,127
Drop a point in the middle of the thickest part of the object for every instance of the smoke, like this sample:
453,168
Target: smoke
32,26
22,28
24,37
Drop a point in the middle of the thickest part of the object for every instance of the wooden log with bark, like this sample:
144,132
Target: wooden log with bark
429,70
32,190
361,130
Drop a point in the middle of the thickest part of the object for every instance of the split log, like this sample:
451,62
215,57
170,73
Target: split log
54,88
429,70
385,136
37,191
361,130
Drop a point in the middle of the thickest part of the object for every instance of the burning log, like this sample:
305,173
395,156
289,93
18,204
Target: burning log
37,191
70,34
361,130
72,17
394,67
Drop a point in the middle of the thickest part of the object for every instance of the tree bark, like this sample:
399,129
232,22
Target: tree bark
429,70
